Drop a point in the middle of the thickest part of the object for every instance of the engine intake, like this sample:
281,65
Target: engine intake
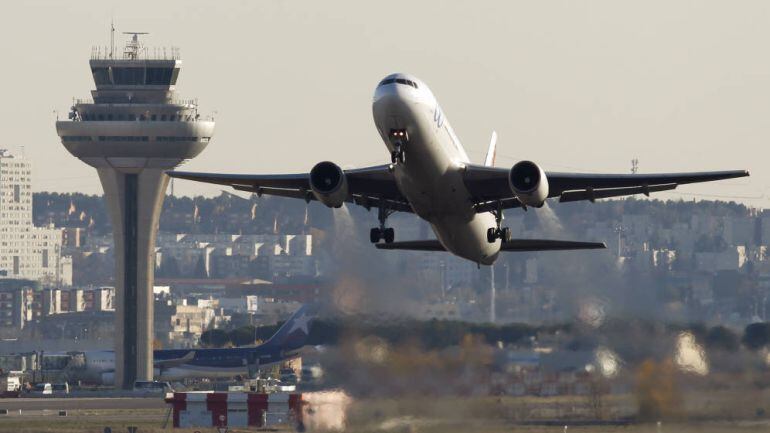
329,184
529,183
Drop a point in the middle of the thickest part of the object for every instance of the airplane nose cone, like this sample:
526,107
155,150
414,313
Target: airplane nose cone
393,93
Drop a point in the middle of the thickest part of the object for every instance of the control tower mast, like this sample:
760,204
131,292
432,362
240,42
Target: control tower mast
131,132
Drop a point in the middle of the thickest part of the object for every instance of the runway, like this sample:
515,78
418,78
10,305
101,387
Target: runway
81,403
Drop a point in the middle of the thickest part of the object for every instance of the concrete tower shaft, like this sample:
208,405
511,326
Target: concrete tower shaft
131,132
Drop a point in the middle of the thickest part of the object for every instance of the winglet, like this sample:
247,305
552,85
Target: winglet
489,161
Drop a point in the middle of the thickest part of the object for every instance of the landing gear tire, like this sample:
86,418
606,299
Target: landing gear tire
389,235
397,156
493,234
375,235
506,234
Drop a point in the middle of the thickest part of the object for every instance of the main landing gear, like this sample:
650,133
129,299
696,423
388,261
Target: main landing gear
399,138
498,232
381,233
494,233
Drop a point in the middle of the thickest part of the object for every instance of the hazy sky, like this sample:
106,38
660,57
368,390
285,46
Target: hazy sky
574,86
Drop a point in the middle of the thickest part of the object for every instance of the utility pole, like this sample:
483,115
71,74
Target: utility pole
619,229
492,294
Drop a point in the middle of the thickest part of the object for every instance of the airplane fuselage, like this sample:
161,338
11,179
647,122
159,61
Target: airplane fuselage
431,176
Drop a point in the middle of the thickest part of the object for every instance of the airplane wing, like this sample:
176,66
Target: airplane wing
368,187
512,245
490,189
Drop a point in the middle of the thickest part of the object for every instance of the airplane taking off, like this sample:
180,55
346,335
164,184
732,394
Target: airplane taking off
431,175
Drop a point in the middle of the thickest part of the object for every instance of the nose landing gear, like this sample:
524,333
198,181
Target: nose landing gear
399,138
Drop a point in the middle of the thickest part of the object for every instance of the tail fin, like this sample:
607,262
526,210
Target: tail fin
489,161
293,334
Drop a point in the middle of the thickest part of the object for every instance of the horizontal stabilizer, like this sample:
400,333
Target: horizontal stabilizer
513,245
429,245
549,245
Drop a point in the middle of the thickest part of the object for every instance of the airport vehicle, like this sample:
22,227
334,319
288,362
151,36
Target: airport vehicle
431,175
174,364
42,389
60,388
311,374
10,386
152,387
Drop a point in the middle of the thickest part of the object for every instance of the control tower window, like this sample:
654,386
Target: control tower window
101,76
128,76
174,76
159,76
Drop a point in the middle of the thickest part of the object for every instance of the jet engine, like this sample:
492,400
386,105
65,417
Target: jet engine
108,378
329,184
529,183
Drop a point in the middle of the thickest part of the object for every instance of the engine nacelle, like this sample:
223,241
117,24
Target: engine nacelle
329,184
529,183
108,378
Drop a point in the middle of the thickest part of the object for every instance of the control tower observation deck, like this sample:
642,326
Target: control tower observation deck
131,132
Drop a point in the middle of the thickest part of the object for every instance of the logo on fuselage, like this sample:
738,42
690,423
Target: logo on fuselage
438,116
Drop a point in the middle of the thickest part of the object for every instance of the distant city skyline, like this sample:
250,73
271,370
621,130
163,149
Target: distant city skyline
573,86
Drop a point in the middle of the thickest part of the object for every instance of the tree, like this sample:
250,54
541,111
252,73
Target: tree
243,335
756,336
721,338
215,338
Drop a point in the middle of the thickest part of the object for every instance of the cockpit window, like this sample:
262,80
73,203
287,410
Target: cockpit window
399,81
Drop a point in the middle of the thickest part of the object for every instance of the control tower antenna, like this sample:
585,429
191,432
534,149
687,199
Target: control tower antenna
112,39
131,52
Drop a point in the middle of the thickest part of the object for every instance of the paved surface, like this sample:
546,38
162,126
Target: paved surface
72,403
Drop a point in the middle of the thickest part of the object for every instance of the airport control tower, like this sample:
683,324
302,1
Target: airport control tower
131,132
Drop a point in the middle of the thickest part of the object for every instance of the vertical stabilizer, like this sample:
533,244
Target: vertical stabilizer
489,161
293,334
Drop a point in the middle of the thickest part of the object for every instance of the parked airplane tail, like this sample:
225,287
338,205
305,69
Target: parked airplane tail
294,333
512,245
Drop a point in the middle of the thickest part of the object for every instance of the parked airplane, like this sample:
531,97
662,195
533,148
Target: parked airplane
174,364
431,175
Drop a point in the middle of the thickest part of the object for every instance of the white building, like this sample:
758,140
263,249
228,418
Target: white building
26,251
730,259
